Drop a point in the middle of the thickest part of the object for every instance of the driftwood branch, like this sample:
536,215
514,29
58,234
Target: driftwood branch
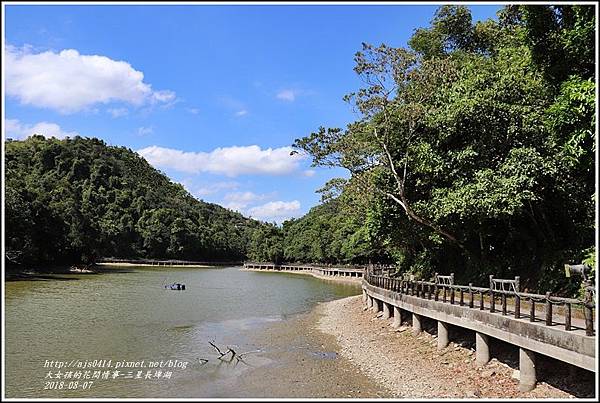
239,357
217,348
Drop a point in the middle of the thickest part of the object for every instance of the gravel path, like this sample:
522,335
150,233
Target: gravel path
412,366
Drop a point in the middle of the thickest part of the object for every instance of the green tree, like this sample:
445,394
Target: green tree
469,141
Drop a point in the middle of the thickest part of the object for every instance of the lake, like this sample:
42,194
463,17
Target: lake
124,320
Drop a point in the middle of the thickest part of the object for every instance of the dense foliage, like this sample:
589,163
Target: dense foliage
329,233
475,148
77,199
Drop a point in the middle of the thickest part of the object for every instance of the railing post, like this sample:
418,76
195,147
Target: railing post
567,316
503,303
451,295
548,310
444,288
470,295
481,302
492,300
517,298
589,320
462,297
588,304
532,311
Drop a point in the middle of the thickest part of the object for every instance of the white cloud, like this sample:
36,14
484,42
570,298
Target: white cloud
69,82
229,161
118,112
193,111
215,188
241,200
309,173
275,211
18,131
163,96
142,131
237,107
235,206
287,95
244,197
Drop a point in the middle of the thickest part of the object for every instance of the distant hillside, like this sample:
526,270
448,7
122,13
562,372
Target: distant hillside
72,200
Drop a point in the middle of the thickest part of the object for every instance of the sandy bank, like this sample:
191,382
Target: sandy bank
304,364
412,366
353,280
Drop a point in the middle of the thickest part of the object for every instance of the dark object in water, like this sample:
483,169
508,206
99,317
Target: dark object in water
176,286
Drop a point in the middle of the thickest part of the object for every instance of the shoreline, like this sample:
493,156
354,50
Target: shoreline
412,366
302,363
121,264
341,279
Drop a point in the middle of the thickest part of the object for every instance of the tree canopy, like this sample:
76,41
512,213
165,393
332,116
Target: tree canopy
474,151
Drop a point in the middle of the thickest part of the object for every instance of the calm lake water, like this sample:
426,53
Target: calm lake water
126,315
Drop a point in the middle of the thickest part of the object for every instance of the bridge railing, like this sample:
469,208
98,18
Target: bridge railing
166,262
443,289
309,265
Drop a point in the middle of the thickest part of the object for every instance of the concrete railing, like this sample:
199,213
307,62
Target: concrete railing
564,337
324,270
170,262
507,291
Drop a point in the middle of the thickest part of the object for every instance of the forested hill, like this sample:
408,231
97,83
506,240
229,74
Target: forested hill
69,201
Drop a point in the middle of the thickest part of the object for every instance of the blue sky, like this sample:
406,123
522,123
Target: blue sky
211,95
